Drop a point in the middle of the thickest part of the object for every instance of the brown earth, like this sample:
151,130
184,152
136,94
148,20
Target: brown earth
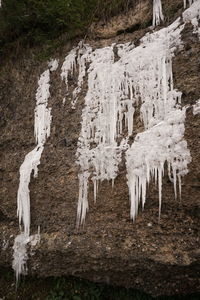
158,258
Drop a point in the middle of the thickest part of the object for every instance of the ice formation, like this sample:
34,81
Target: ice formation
53,65
76,59
20,255
193,15
32,160
195,24
150,151
189,3
192,12
196,108
140,77
157,12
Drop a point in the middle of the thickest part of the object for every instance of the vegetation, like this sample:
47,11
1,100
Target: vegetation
77,289
33,22
62,288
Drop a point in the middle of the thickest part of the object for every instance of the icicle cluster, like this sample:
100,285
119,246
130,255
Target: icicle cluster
76,59
31,162
157,12
141,76
151,149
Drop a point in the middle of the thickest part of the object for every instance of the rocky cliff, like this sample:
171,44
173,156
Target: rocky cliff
158,257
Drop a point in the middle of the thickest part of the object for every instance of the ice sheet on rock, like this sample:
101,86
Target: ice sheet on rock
145,160
20,255
64,101
196,108
196,27
53,65
192,12
157,12
42,112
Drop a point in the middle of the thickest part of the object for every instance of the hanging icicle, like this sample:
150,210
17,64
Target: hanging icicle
157,13
32,160
187,1
142,75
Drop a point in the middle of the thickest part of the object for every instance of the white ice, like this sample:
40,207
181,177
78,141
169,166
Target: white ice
196,108
20,254
192,12
187,1
145,160
193,15
53,64
158,16
141,78
32,160
77,58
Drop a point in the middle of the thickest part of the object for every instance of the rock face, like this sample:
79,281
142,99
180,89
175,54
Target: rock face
160,258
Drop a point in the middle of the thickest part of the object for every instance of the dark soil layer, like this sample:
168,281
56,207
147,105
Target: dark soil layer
62,288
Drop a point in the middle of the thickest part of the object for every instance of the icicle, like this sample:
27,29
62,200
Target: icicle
83,198
162,143
31,162
141,77
32,159
189,3
78,56
157,12
69,65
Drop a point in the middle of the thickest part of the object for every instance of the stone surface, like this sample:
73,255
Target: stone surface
158,258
